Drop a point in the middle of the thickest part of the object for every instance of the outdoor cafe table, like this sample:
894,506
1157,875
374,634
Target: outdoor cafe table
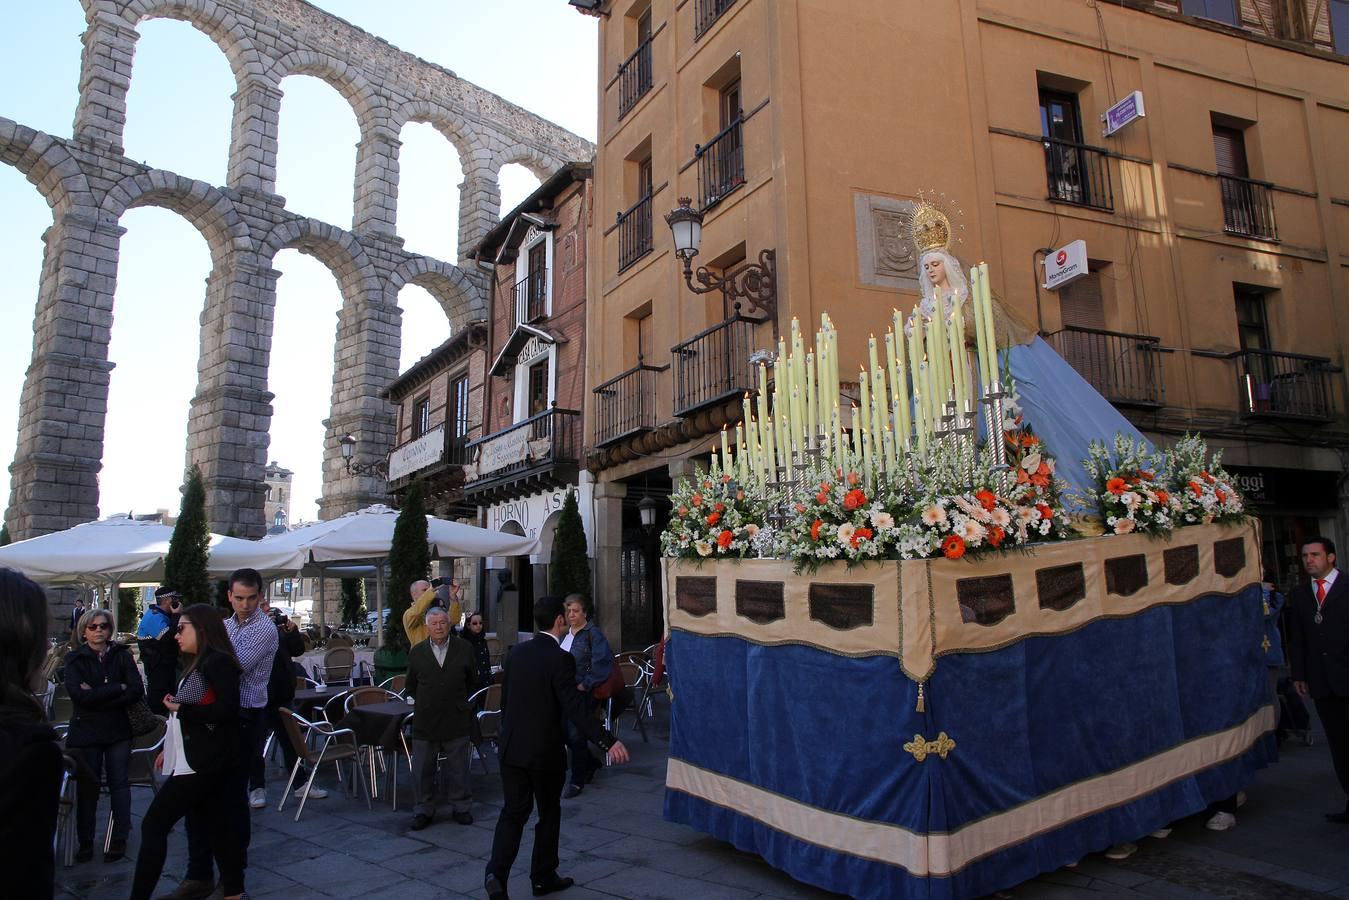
308,700
378,724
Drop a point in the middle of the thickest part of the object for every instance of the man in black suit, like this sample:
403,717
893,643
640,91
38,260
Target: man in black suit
538,694
1319,640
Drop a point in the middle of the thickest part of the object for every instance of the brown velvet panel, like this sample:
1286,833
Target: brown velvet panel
986,601
1181,564
696,594
759,601
842,606
1229,556
1060,587
1126,575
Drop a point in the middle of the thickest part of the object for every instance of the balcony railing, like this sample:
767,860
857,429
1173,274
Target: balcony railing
634,233
531,297
1126,369
705,13
527,449
1078,174
721,164
1248,208
634,77
625,404
1284,385
713,365
454,452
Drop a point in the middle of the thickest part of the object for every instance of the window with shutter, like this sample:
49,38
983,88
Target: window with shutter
1081,306
1229,150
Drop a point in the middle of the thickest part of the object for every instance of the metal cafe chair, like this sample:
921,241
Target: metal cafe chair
337,666
486,703
337,745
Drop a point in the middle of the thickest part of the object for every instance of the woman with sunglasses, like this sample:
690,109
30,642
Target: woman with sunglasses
102,681
476,635
207,706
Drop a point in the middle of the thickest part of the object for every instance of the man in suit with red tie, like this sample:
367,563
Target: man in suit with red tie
538,694
1319,640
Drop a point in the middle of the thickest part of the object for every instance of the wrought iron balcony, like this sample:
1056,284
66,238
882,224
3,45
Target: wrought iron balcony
1248,208
634,77
537,454
705,13
721,164
625,404
713,365
634,233
1283,385
531,297
436,452
1125,369
1078,174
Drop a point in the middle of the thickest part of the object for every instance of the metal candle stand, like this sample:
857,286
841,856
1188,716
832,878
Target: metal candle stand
994,410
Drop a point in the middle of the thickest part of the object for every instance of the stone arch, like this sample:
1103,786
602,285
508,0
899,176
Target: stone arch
532,158
47,164
211,19
338,250
466,140
347,80
206,207
457,295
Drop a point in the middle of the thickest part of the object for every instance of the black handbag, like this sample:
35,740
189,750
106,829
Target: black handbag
142,720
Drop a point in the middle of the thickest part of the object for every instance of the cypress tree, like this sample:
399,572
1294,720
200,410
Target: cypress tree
4,535
127,613
569,572
353,601
409,561
185,564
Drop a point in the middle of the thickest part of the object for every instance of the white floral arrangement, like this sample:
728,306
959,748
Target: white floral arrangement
1203,490
1130,497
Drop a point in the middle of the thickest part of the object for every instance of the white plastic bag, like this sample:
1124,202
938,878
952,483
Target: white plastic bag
175,759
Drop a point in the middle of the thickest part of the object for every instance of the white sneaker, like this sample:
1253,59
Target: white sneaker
1162,834
1221,821
315,793
257,798
1121,851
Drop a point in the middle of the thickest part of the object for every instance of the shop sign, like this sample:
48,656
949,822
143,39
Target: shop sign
1309,490
1067,264
1123,112
533,349
502,451
528,512
416,455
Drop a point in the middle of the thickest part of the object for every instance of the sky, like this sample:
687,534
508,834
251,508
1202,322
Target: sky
178,118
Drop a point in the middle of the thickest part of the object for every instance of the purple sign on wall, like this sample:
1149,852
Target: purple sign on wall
1124,112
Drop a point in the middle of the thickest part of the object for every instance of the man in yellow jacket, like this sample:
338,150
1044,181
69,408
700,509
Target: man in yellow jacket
424,594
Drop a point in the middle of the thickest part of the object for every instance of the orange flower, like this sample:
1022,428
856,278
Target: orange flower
815,530
725,479
826,486
822,497
1221,495
1044,510
719,507
697,499
861,534
1145,475
1039,479
987,499
724,539
1163,497
800,507
1207,477
713,519
1116,486
854,498
707,485
953,547
1197,488
1021,476
995,535
683,510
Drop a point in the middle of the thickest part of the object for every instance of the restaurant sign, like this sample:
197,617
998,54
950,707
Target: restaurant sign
502,451
416,455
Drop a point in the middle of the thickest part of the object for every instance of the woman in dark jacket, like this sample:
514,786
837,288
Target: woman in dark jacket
207,708
476,635
102,681
30,758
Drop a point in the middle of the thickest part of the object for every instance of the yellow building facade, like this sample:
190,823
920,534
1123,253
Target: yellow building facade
1216,224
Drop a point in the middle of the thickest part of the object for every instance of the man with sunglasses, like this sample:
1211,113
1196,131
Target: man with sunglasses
159,651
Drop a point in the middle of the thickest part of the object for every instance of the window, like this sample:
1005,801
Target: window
634,224
1229,151
459,414
1339,25
1217,10
634,74
1252,324
1077,173
537,398
1248,205
421,416
729,104
721,161
279,518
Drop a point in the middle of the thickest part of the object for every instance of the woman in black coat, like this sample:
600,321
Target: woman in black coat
102,681
30,758
476,635
207,708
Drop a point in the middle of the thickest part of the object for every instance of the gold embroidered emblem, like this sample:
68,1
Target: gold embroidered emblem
921,748
1265,644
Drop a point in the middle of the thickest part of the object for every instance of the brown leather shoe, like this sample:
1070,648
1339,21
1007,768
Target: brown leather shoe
190,889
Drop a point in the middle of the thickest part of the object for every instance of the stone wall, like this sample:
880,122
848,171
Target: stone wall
89,184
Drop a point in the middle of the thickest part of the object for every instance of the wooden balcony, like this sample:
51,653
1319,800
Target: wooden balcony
1124,368
540,453
713,365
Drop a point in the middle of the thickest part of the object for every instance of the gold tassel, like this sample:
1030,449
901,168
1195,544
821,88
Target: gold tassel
922,703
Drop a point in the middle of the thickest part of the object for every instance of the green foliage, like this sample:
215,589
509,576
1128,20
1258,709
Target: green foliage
4,535
353,601
409,561
185,564
127,613
569,572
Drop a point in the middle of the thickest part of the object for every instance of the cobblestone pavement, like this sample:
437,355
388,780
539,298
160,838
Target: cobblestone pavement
615,844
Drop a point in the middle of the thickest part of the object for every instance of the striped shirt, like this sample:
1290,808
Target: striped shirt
255,643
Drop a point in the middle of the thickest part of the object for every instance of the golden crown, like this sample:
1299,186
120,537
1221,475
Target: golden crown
930,228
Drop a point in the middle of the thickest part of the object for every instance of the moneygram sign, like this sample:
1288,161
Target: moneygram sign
1065,265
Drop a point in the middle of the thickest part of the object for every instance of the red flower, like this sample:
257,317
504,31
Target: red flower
1044,510
800,507
853,478
822,497
1222,496
987,499
854,498
1163,497
861,534
815,530
719,507
1145,475
714,518
725,479
697,499
1116,486
995,535
1040,479
1207,477
1198,490
683,510
1021,476
826,486
724,539
953,547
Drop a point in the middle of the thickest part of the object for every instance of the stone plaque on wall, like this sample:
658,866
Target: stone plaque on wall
885,253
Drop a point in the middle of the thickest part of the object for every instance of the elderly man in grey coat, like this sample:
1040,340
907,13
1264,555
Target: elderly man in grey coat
440,676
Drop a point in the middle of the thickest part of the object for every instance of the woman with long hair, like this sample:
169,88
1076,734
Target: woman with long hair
476,634
102,681
30,758
199,755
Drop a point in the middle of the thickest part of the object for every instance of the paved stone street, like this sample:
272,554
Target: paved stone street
615,844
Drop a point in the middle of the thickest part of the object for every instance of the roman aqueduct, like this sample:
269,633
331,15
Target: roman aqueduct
89,184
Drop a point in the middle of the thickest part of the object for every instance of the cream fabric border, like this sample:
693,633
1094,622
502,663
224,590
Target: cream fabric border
916,616
941,854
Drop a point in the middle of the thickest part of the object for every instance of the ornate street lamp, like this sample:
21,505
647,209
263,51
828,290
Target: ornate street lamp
647,509
755,283
348,445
